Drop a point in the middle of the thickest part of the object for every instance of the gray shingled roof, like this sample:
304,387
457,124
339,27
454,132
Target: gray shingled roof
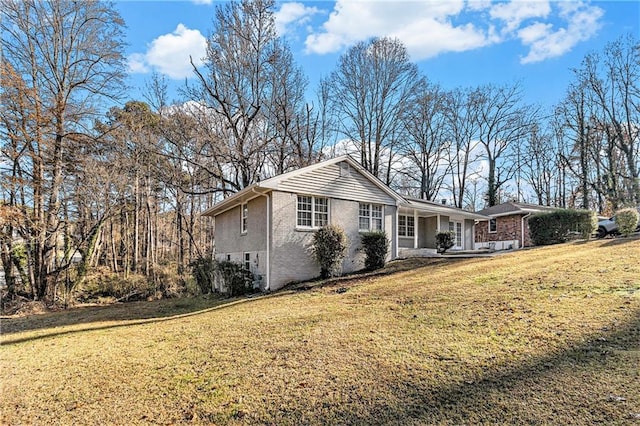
511,207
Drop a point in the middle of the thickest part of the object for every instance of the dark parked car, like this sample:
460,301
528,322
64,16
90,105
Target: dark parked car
609,227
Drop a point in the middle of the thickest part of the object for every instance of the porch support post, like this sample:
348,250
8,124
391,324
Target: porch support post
438,223
415,229
396,240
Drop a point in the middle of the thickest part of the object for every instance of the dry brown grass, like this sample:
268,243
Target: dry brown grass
543,336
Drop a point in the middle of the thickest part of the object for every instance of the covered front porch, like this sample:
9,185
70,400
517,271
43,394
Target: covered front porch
419,221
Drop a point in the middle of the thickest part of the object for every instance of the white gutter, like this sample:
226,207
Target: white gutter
268,238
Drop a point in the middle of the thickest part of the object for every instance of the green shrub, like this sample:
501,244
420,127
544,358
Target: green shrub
203,270
588,224
234,280
114,286
559,226
375,246
445,240
329,247
627,220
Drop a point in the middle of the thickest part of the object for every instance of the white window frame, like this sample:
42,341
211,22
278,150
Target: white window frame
495,223
319,218
246,258
406,230
244,217
369,216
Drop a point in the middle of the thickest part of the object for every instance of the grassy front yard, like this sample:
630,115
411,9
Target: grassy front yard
543,336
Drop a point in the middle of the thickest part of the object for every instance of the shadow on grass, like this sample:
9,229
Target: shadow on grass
525,393
617,241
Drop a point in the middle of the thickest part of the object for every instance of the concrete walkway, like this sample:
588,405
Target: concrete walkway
427,252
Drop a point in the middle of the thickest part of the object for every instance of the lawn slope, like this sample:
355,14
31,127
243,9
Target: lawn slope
543,336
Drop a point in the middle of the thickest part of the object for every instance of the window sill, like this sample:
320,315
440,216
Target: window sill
300,229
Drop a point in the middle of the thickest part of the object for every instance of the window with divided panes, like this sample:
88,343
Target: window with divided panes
370,217
312,212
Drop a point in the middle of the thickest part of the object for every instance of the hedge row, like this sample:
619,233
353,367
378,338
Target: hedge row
561,225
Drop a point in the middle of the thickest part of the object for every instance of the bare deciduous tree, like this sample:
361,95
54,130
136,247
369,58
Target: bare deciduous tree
613,80
243,88
370,89
425,121
462,131
502,121
539,165
67,57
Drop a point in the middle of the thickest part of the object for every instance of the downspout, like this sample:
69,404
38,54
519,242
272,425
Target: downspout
268,239
522,229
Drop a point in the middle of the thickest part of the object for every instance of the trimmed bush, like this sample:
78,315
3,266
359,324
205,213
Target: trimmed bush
375,246
445,240
627,220
587,225
329,247
561,225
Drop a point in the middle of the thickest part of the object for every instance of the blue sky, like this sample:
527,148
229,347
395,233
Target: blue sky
456,43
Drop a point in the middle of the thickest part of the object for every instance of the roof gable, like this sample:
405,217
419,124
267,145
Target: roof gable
341,178
324,179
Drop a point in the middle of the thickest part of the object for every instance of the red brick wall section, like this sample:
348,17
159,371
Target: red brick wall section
507,227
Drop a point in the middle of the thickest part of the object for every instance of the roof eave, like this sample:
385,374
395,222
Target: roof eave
240,197
442,209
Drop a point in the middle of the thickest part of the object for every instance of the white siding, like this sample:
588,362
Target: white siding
328,182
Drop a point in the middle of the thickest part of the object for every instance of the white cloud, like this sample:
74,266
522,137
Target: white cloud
169,53
425,28
137,64
546,28
293,13
205,2
443,37
583,22
534,32
478,5
516,12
